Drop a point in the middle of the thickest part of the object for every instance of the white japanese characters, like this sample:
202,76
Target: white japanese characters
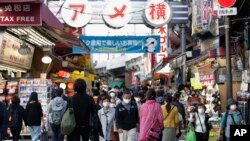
76,13
117,13
157,13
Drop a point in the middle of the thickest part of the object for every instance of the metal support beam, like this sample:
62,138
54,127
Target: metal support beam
183,51
228,59
246,45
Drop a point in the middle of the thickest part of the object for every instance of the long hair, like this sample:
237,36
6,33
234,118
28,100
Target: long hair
33,97
150,94
169,99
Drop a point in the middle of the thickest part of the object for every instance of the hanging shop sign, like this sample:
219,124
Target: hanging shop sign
157,13
117,13
204,17
163,33
207,80
20,14
76,13
122,44
9,54
135,80
227,11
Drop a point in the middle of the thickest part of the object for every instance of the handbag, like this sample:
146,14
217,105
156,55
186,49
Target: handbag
155,130
44,134
190,136
68,122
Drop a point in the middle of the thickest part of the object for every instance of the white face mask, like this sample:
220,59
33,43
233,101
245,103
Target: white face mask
112,105
201,111
105,104
233,107
112,94
137,99
126,101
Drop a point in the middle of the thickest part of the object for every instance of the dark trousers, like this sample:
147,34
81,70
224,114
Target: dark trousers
15,131
201,136
78,133
56,133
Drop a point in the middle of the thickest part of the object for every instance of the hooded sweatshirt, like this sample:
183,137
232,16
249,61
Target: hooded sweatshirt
57,105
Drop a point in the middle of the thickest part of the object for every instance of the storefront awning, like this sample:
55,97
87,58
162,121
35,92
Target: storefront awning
113,84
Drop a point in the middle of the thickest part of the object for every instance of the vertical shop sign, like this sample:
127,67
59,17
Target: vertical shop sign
117,13
9,52
157,13
20,14
135,80
204,16
163,32
76,13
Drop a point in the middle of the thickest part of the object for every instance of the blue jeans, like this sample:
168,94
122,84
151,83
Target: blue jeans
35,132
56,133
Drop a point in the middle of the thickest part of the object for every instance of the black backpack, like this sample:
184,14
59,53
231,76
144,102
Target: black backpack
13,117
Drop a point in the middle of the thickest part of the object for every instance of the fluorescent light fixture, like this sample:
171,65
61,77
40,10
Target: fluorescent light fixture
11,69
46,59
62,85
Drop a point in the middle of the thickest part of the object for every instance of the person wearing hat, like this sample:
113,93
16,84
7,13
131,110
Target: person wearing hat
232,117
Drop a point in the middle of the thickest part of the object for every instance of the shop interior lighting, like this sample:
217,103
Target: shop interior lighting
11,69
34,37
62,85
46,59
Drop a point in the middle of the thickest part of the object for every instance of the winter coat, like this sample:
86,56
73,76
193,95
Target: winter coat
56,104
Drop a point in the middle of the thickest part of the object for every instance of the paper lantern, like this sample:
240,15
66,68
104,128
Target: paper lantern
61,73
70,94
70,85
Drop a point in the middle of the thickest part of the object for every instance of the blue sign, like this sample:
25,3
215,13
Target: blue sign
122,44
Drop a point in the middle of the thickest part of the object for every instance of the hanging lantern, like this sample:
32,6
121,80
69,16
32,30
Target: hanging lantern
70,85
61,73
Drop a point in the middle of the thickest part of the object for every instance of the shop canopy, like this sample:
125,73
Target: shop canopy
116,83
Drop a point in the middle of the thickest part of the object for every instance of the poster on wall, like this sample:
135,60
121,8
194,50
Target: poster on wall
9,54
204,17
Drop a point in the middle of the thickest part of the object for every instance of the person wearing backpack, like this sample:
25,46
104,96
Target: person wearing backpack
231,117
16,117
83,106
33,117
56,109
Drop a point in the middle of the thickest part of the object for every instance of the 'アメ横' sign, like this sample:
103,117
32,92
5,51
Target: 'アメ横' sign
76,13
122,44
20,14
157,13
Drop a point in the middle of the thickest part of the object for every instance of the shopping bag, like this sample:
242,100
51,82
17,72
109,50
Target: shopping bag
68,122
190,136
44,134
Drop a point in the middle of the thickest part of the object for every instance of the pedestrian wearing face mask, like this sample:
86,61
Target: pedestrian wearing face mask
201,123
232,117
113,95
106,116
138,99
127,118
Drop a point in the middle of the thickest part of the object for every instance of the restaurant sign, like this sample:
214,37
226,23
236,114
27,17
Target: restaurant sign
9,54
122,44
20,14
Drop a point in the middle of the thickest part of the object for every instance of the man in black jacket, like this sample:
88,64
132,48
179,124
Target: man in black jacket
127,118
83,106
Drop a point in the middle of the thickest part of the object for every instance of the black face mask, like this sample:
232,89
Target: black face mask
193,95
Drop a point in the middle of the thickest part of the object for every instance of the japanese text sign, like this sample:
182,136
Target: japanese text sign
122,44
117,13
227,11
163,32
20,14
9,52
76,13
157,13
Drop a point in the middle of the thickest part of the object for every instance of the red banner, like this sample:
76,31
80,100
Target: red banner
20,14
